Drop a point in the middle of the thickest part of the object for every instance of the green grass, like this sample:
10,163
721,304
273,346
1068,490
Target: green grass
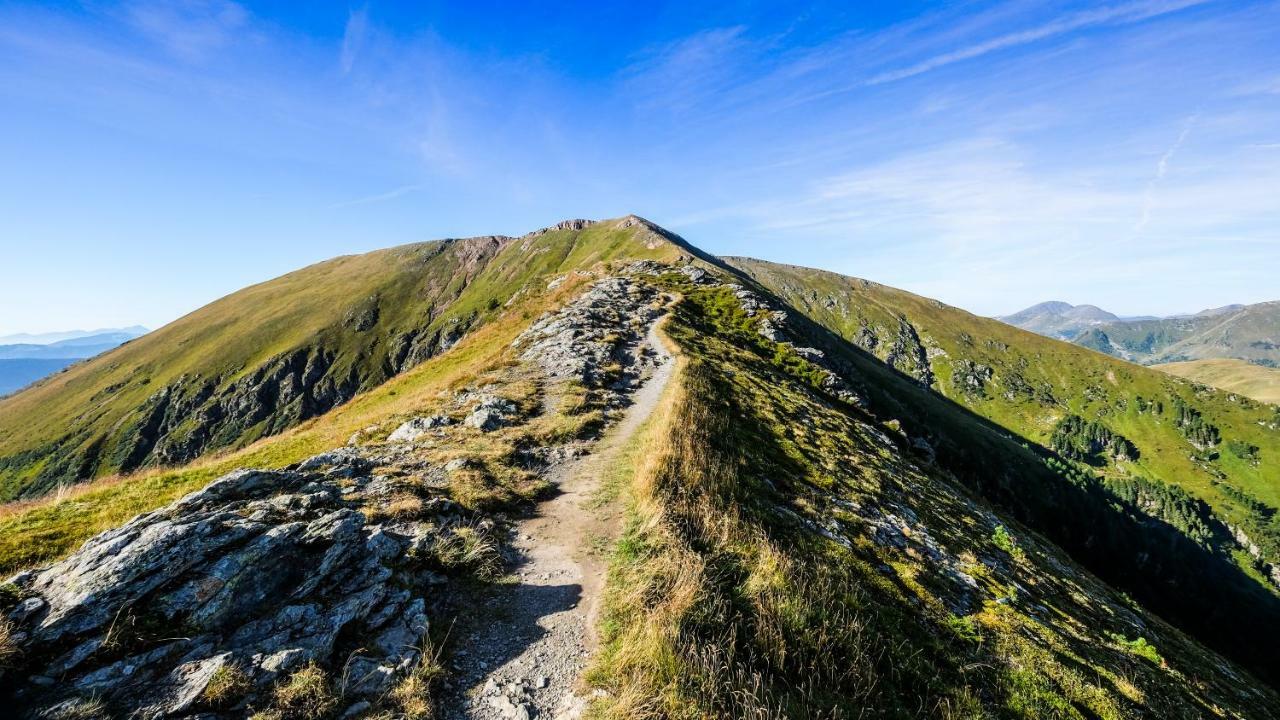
39,531
84,422
725,601
1037,381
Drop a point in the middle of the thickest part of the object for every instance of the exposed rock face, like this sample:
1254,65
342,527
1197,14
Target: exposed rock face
908,355
970,378
594,332
259,572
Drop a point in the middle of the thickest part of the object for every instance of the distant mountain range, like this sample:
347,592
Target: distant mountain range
26,358
63,335
1244,332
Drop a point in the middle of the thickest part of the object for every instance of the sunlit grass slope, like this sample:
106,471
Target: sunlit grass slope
516,282
272,355
1237,376
761,575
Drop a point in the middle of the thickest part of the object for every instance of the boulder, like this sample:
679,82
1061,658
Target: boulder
491,413
417,427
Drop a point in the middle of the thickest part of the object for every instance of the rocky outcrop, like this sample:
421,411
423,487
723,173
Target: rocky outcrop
257,574
908,355
592,339
491,413
417,427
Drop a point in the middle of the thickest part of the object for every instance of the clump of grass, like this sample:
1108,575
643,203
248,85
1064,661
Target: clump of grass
227,684
1001,538
400,506
412,696
306,694
475,489
965,629
10,596
90,708
1138,646
9,650
468,549
571,426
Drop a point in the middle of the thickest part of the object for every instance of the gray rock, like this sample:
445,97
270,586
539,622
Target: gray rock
355,709
261,570
491,413
597,330
417,427
27,608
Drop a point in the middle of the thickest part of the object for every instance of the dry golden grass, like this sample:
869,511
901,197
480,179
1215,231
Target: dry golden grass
9,651
400,506
306,694
412,696
228,683
1238,376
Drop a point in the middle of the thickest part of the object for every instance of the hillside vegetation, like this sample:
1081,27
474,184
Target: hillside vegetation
272,355
1237,376
855,502
1030,385
791,556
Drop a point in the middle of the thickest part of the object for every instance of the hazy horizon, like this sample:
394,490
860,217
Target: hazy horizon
157,156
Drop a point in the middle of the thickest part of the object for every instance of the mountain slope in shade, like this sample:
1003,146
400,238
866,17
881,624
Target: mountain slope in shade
1237,376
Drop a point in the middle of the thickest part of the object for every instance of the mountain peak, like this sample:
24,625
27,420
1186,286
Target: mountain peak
1059,319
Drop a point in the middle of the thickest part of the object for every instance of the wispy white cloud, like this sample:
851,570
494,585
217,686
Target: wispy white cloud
1162,169
1263,86
353,38
692,70
1126,13
380,197
192,30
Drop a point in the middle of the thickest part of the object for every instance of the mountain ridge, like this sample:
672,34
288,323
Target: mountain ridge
852,495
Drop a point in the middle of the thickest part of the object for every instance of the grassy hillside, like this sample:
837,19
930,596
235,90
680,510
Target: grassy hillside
790,556
1028,384
272,355
39,530
1237,376
798,552
1194,500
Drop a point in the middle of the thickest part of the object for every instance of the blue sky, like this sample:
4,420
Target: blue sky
157,155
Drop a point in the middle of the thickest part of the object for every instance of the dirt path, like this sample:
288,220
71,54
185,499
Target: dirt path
520,654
